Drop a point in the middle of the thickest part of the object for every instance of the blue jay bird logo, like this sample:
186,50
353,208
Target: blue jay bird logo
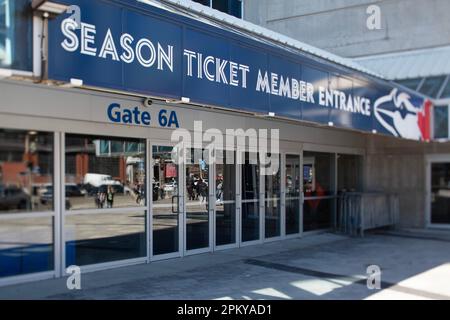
404,120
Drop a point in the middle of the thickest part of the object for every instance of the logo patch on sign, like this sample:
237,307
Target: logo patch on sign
403,120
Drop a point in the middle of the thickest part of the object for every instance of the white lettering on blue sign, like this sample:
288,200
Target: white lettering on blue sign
201,66
145,51
216,69
285,87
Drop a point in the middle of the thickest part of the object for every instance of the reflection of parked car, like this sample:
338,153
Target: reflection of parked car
40,189
13,198
72,190
97,180
47,198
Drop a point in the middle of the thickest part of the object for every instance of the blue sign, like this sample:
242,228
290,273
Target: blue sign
135,116
133,47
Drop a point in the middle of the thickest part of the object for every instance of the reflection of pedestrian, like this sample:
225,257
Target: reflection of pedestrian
197,185
140,191
190,188
219,191
203,189
110,197
100,199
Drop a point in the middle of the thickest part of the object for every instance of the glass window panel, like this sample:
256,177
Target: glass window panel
16,34
432,85
292,216
204,2
318,181
440,193
446,92
410,83
165,208
102,173
317,214
272,224
292,194
273,203
26,171
440,122
104,237
235,8
225,197
273,182
26,246
250,177
250,221
318,174
232,7
221,5
197,200
250,197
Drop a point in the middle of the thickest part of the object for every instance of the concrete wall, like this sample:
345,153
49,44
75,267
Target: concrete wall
339,26
398,166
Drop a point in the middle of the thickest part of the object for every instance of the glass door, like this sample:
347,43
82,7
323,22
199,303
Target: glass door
318,184
292,191
250,204
166,203
272,209
197,209
225,198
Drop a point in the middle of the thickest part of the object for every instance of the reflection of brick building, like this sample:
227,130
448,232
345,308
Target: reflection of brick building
25,159
93,156
11,171
88,163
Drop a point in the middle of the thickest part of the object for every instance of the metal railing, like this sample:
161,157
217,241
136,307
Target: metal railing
358,212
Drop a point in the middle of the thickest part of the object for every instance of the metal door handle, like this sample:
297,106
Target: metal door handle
175,210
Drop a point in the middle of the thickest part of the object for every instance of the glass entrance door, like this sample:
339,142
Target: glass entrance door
250,211
440,193
320,196
293,189
225,198
197,197
166,203
272,210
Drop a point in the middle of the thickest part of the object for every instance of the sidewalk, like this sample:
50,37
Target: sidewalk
324,266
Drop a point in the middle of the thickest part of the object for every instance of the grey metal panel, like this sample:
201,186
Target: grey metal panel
35,106
340,26
411,64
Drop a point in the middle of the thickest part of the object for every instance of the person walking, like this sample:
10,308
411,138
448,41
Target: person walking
109,197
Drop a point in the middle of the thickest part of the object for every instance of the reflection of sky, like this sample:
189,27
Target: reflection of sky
3,57
4,24
320,83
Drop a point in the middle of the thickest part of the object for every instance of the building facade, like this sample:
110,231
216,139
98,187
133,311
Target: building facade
410,45
341,26
95,114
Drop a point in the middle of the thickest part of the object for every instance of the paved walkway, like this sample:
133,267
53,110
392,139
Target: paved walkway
325,266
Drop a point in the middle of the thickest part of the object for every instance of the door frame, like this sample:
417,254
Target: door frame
429,160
